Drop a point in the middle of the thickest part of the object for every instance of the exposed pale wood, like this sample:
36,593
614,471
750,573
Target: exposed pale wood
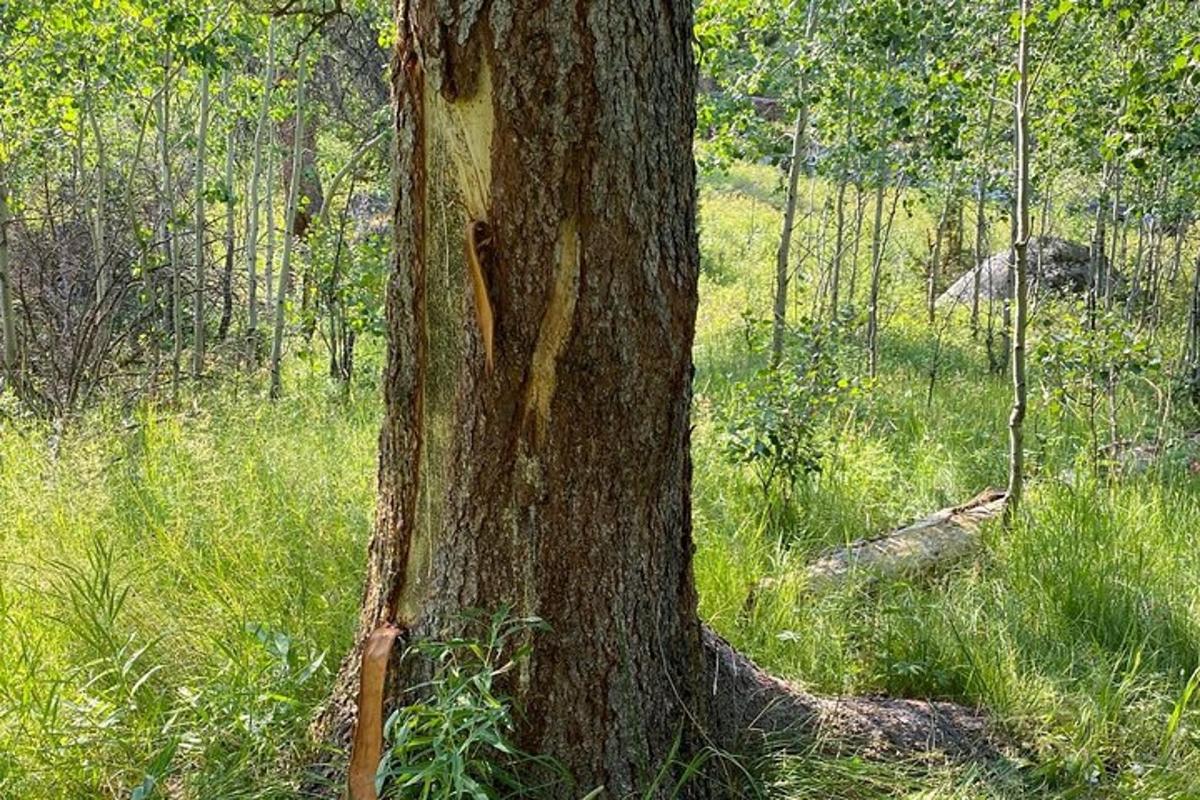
943,537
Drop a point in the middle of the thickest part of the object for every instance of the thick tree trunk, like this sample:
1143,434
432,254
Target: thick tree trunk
555,480
558,484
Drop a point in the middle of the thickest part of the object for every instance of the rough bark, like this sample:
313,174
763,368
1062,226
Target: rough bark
557,483
765,708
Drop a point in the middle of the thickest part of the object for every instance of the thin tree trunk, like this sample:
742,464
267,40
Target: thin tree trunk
7,311
935,257
169,227
879,244
227,273
1115,262
835,266
1193,337
1096,252
782,255
261,133
269,255
290,214
860,211
1016,453
100,240
199,232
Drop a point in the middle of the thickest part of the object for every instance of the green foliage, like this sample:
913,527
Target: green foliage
773,421
456,740
1090,366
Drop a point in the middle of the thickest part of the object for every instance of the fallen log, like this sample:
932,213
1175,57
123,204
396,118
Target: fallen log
941,538
938,540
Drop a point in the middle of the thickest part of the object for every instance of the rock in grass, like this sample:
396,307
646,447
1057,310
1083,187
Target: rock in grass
1055,264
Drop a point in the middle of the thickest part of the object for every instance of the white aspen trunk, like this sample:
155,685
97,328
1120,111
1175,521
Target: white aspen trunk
230,202
1016,454
269,256
783,254
261,132
290,226
7,314
198,256
980,252
99,244
169,229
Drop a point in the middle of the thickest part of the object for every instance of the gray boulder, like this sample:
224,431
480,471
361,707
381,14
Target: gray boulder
1054,265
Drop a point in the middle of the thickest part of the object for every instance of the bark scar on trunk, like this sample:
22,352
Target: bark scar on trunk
554,329
466,126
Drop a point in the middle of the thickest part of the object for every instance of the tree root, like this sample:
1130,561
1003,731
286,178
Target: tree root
750,703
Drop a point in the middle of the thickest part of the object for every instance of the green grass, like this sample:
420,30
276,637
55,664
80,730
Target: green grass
177,584
176,587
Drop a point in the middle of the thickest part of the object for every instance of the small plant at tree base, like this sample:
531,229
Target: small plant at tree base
456,740
773,421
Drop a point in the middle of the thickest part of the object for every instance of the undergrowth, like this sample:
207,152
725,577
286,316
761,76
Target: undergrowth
176,586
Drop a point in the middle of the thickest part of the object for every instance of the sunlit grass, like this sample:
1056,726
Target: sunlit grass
177,586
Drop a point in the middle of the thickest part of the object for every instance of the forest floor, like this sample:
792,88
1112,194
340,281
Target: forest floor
176,587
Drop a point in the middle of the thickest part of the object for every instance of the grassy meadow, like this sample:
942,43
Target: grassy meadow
176,587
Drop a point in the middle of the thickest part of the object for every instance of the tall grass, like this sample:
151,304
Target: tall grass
177,586
174,589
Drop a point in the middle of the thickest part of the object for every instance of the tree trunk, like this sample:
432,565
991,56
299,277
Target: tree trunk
1096,252
260,135
198,231
291,217
835,265
269,213
879,239
557,484
227,273
1193,338
172,244
795,167
7,312
556,481
1016,454
860,211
